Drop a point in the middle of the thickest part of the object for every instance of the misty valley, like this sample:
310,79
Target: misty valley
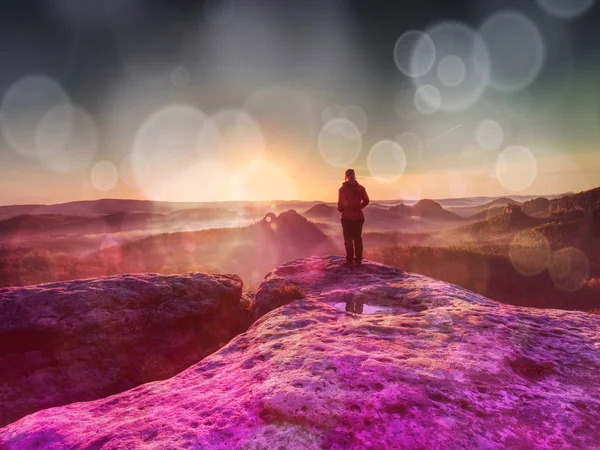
525,251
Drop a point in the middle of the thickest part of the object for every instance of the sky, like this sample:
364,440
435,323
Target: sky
219,100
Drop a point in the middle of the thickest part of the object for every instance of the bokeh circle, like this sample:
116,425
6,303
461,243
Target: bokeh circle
569,269
240,136
414,53
529,252
428,99
451,71
490,134
24,104
463,68
386,161
104,176
516,49
566,9
516,168
168,143
66,139
340,142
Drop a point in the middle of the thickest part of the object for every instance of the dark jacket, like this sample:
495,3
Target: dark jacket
352,198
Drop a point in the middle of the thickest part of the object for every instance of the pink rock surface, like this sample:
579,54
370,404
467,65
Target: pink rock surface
82,340
442,368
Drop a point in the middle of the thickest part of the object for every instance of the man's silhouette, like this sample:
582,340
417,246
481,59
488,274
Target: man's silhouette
352,198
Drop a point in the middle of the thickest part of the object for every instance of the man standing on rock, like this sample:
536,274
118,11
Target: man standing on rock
352,198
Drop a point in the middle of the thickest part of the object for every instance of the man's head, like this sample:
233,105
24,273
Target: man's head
350,175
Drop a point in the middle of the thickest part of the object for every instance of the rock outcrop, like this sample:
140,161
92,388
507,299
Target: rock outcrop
425,208
291,234
326,279
434,366
82,340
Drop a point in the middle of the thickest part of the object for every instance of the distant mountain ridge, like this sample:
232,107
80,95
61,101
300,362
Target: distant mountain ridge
321,211
248,250
114,222
96,207
425,208
584,200
477,211
109,206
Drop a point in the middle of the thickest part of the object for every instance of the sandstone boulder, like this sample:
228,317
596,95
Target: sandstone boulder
433,366
82,340
377,285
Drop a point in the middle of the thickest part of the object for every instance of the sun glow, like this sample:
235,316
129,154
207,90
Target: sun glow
261,180
227,114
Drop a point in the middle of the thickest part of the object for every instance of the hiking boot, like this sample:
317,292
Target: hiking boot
358,262
347,264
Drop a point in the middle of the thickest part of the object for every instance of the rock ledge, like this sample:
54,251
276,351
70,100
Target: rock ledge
458,371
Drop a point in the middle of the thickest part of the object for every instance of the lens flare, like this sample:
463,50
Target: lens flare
241,139
261,180
104,176
516,168
414,53
566,9
25,103
490,135
463,66
529,253
386,161
353,113
170,141
204,181
331,112
451,71
340,143
516,48
66,139
428,99
569,269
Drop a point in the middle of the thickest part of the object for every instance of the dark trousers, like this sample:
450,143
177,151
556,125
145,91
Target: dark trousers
352,239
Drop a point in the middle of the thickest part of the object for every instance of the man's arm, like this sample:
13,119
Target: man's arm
340,204
365,199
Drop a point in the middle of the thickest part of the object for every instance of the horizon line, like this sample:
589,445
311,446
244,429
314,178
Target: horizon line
283,201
